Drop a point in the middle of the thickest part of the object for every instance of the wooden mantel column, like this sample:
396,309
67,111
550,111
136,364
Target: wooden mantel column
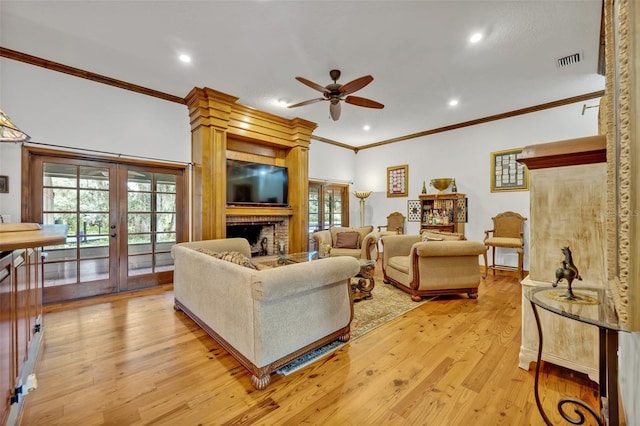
221,128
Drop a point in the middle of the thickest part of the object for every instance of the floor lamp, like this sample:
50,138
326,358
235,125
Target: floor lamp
362,195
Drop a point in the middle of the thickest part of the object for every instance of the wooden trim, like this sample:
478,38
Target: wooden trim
192,97
77,72
522,111
570,152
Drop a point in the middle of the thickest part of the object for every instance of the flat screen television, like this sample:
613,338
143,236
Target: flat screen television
256,184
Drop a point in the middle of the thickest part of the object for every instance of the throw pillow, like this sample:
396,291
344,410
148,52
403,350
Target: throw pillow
363,231
429,237
446,236
230,256
347,240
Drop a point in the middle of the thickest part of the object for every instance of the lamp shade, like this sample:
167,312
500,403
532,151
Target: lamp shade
362,194
9,132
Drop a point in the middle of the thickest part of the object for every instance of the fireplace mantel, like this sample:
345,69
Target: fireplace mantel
221,129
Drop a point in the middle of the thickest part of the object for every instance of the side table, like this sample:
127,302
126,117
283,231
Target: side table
361,289
595,307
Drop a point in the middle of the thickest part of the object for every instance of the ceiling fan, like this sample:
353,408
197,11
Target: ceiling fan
335,92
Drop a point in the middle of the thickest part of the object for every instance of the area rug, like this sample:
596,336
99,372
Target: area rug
387,303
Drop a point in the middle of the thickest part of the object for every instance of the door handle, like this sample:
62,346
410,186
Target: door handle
112,227
113,235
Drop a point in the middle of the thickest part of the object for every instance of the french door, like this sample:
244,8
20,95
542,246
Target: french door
120,220
328,206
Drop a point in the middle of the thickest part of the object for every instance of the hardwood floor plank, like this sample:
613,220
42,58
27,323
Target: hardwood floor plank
132,360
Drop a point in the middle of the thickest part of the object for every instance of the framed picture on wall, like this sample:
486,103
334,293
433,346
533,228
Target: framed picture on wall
397,181
4,184
507,174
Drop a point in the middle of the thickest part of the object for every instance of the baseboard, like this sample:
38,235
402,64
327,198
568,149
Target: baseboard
504,273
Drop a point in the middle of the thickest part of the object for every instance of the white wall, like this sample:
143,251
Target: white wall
464,154
55,108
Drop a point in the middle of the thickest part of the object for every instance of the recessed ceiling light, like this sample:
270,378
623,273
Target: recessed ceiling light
453,102
476,37
185,58
283,102
366,127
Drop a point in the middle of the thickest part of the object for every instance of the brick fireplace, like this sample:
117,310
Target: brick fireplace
267,235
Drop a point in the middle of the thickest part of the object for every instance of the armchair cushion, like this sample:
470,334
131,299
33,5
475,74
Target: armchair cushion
503,242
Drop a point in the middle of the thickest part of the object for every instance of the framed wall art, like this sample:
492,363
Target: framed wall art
414,210
397,181
507,174
4,184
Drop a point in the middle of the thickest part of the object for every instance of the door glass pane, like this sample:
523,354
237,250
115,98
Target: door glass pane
139,201
92,200
139,265
152,212
94,178
59,175
76,199
93,270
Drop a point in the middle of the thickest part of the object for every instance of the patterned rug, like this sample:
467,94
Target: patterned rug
387,303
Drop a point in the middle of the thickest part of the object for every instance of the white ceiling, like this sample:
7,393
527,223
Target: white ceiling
417,51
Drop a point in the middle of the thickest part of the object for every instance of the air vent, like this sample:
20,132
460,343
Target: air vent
569,60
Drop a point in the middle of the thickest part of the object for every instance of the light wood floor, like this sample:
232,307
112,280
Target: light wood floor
130,359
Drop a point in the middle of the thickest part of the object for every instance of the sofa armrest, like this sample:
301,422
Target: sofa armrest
224,244
449,248
397,245
279,283
369,246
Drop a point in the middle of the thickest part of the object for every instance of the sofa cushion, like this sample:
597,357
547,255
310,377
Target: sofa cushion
347,240
230,256
363,231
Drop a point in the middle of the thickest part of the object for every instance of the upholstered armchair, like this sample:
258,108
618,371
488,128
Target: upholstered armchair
432,264
360,243
507,232
395,225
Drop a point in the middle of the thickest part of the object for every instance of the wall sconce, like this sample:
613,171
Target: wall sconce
362,195
9,132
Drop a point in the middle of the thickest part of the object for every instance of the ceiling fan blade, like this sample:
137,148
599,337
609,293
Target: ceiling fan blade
311,84
363,102
310,101
356,84
334,111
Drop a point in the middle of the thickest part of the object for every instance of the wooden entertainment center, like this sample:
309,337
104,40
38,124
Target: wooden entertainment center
221,129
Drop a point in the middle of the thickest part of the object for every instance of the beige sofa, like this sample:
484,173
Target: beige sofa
366,246
264,318
445,265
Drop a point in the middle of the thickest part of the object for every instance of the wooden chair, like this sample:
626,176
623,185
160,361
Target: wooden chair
507,232
394,226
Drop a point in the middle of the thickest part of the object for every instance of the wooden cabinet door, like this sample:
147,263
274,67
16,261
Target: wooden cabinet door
6,376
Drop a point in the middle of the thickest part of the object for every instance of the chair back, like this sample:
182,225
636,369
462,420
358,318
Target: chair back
508,225
395,222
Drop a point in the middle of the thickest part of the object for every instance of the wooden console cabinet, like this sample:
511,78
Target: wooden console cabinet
20,309
568,208
444,212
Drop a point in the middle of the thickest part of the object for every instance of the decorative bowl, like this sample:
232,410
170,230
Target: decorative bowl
441,183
